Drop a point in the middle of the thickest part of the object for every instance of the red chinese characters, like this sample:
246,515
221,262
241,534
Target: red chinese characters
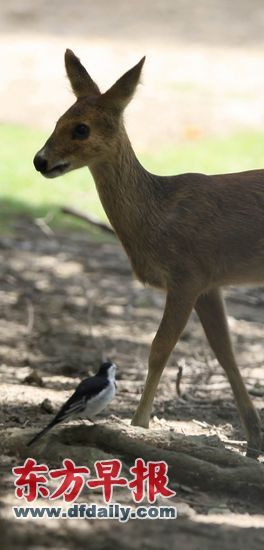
30,483
148,480
73,481
107,477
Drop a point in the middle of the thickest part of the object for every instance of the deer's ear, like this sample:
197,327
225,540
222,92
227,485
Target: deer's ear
81,82
120,94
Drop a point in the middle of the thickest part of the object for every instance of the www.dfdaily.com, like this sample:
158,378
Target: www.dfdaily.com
93,511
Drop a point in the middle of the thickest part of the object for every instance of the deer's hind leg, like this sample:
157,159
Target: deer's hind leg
211,311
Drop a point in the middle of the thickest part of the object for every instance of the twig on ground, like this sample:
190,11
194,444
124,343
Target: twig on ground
87,218
42,223
178,381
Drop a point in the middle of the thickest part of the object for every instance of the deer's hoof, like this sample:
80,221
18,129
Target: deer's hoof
255,445
139,421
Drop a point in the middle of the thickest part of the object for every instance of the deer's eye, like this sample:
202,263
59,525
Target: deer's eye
81,131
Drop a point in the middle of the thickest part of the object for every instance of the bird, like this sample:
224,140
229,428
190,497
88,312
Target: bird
91,396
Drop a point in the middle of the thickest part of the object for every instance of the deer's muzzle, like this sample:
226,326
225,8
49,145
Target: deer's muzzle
41,164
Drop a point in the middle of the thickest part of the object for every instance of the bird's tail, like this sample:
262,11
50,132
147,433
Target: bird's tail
40,434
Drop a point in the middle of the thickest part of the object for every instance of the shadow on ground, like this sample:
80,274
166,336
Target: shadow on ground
66,303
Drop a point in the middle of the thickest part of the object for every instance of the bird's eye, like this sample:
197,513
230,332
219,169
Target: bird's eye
81,131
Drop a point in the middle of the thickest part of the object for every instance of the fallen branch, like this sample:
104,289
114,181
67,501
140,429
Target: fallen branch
192,461
87,218
203,467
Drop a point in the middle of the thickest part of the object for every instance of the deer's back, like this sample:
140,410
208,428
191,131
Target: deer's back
206,226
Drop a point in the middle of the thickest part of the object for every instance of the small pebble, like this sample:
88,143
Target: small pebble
47,406
34,379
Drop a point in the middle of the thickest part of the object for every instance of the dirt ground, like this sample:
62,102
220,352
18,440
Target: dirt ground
68,300
66,303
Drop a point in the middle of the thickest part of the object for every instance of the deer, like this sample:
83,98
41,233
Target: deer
189,234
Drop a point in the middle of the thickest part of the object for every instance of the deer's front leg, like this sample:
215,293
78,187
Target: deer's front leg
179,304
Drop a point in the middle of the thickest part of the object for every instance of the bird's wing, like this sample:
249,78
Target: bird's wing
71,407
76,403
91,386
87,389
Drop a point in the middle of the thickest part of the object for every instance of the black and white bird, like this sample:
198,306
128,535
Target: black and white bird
90,398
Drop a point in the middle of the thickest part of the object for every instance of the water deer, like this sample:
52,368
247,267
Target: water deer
188,234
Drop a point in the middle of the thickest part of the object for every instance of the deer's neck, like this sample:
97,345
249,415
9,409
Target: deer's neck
126,191
132,198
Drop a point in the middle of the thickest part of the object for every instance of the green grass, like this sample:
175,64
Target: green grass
242,151
23,190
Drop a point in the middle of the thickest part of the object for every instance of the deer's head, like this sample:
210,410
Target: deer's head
90,130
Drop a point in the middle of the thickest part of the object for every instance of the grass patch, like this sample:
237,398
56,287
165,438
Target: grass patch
235,153
23,190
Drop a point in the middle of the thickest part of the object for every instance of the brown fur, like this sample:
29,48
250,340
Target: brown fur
188,234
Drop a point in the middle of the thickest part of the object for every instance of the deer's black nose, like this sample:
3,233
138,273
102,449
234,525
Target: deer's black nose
40,163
